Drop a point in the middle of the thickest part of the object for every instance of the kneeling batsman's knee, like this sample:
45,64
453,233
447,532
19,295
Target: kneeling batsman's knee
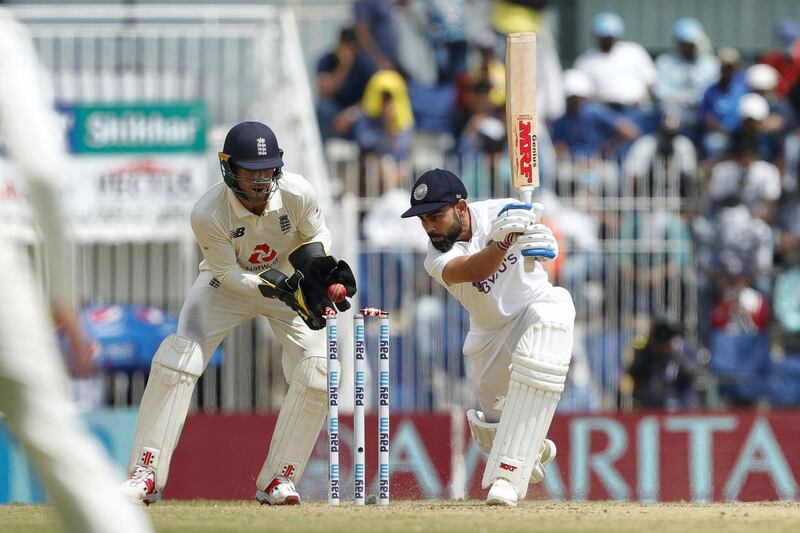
542,356
311,372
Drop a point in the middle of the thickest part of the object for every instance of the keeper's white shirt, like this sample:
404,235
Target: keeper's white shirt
495,301
234,241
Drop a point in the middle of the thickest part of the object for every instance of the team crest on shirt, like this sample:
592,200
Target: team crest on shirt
261,146
285,223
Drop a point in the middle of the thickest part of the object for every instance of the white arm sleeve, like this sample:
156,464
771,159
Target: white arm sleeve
35,142
220,255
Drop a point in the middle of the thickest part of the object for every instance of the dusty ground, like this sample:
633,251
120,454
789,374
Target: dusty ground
436,516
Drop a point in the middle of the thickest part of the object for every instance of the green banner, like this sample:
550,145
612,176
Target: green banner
138,128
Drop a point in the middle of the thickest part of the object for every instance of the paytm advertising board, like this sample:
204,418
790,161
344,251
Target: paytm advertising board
745,456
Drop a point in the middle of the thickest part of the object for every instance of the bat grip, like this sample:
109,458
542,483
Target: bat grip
528,263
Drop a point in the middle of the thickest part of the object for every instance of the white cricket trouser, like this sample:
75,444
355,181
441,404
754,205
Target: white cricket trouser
35,399
489,350
210,313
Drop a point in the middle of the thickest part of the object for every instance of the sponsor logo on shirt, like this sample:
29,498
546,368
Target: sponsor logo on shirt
487,285
236,233
262,254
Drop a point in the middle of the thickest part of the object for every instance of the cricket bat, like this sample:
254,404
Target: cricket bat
521,117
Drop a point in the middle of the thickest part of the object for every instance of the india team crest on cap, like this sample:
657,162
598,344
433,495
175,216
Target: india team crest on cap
420,191
261,146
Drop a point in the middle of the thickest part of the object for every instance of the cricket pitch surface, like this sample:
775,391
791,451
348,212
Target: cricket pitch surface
409,516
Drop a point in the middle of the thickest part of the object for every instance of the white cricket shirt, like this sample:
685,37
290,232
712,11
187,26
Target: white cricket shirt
493,302
623,75
234,241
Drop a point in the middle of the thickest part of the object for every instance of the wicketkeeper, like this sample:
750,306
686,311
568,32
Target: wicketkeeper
520,337
264,243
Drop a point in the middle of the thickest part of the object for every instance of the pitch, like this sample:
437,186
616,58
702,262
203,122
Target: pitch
441,516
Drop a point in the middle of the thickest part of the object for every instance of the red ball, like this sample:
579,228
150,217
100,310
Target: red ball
337,293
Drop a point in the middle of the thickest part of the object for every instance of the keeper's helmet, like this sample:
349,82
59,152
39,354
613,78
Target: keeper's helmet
251,146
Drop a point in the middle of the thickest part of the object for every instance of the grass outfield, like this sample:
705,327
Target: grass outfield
440,516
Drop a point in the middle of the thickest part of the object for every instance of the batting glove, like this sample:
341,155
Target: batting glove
511,222
539,243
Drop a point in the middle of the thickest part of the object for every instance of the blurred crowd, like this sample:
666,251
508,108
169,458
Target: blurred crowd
726,127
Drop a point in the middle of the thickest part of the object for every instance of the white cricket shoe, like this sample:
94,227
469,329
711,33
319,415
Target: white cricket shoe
280,492
141,486
502,492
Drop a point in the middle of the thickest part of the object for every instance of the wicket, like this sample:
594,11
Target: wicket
359,445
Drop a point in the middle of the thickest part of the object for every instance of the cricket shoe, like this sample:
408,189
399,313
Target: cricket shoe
280,492
546,454
141,486
502,492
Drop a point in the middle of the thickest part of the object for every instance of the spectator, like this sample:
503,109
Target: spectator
784,58
342,76
787,301
663,153
661,374
683,75
588,128
488,71
385,128
740,308
447,31
376,31
719,107
621,72
484,132
746,179
762,80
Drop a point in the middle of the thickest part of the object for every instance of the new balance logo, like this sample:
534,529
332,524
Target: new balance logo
215,283
285,223
236,233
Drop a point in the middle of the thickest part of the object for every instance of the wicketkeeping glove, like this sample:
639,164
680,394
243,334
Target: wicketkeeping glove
320,271
275,284
511,222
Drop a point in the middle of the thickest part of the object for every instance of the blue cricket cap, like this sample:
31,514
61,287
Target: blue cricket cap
433,190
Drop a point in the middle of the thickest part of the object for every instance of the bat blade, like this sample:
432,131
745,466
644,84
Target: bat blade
521,111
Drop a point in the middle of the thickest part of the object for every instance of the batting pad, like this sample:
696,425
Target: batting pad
299,423
538,370
483,434
173,373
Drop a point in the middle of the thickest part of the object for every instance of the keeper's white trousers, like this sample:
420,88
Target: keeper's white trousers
34,395
489,350
211,311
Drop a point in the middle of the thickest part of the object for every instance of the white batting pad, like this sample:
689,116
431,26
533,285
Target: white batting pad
483,434
299,423
173,373
538,370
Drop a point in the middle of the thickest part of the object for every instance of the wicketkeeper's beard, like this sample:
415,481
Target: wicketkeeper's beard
445,244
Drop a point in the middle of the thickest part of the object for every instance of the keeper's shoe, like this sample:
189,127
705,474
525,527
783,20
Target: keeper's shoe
546,454
502,492
140,486
280,491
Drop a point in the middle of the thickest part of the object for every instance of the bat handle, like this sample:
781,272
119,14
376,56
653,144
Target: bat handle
528,263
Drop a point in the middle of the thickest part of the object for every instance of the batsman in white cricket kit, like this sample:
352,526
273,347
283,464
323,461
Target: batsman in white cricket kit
257,225
34,389
520,337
